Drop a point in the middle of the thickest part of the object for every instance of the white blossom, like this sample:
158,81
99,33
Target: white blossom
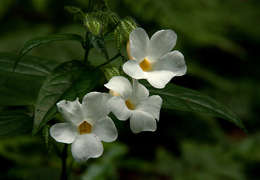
152,59
133,101
86,125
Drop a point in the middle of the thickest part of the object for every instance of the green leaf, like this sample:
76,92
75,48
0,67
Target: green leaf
31,65
29,45
15,123
21,87
67,81
18,89
180,98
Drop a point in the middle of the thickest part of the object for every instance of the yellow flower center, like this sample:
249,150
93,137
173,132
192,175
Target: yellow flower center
146,65
113,93
129,105
84,128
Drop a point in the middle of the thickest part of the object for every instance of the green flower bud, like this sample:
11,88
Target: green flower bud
123,30
93,24
127,26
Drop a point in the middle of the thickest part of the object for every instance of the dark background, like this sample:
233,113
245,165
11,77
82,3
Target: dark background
220,40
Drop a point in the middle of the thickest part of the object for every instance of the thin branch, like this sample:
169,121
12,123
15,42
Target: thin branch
90,5
64,163
87,46
110,60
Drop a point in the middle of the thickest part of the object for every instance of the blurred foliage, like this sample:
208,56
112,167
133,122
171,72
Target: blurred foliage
220,41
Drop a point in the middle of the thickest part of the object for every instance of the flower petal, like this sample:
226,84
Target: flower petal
159,79
63,132
118,107
172,61
139,41
142,121
140,91
121,85
95,106
71,111
152,105
86,146
161,42
105,129
133,69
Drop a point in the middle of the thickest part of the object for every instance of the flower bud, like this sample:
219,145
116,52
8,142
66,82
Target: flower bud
93,24
123,30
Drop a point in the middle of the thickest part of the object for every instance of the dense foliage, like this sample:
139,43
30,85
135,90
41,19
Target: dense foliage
194,141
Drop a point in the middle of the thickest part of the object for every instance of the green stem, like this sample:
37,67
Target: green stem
87,47
112,59
70,167
106,53
90,5
64,163
123,57
103,47
86,55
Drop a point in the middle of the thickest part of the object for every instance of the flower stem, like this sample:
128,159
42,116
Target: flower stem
90,5
104,49
113,58
86,55
64,163
86,47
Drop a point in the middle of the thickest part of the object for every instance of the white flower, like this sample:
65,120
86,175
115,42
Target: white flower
152,59
133,101
87,125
